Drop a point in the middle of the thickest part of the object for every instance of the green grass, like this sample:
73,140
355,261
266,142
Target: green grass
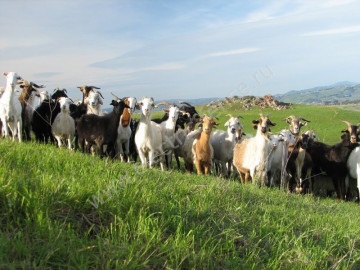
66,210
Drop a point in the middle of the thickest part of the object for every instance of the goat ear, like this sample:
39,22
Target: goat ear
272,124
226,124
255,126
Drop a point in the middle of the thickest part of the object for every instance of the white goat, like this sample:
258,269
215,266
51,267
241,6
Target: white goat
353,165
223,143
40,97
10,107
124,130
168,132
148,138
94,103
63,127
251,155
279,144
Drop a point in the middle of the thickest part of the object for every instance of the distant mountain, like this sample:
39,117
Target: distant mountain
194,102
337,93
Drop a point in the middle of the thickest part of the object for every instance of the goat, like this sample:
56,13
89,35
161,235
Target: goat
124,129
148,137
188,108
27,100
300,165
85,90
100,130
295,124
277,175
133,154
250,156
63,127
168,131
353,166
197,149
94,102
10,107
223,143
180,137
332,159
44,116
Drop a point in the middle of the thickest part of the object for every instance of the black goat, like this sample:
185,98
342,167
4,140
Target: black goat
100,130
299,165
44,116
331,159
132,146
186,107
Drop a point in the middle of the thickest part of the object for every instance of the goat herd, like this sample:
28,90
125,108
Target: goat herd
290,160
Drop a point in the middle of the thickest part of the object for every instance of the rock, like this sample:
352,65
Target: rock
248,102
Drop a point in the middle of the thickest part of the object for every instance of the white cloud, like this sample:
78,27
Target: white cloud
232,52
335,31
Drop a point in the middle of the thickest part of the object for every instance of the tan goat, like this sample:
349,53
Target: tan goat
197,148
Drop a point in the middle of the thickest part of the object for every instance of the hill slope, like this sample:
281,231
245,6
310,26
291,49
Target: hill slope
338,93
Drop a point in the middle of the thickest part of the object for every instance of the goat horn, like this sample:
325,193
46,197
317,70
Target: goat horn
186,103
292,117
346,122
163,103
25,82
301,118
115,96
229,114
100,94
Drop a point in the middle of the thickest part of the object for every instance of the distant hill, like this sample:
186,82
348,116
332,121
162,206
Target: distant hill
338,93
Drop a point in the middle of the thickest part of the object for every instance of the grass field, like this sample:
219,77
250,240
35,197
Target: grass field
67,210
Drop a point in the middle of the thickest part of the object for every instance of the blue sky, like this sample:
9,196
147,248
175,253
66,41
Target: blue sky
181,49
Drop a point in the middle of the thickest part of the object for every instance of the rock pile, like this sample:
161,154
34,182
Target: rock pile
248,102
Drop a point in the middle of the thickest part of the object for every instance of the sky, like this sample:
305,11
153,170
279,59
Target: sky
181,49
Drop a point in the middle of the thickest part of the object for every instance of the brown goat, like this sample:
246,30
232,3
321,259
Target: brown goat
197,148
202,149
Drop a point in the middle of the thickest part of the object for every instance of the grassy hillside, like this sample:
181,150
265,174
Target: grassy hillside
61,209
